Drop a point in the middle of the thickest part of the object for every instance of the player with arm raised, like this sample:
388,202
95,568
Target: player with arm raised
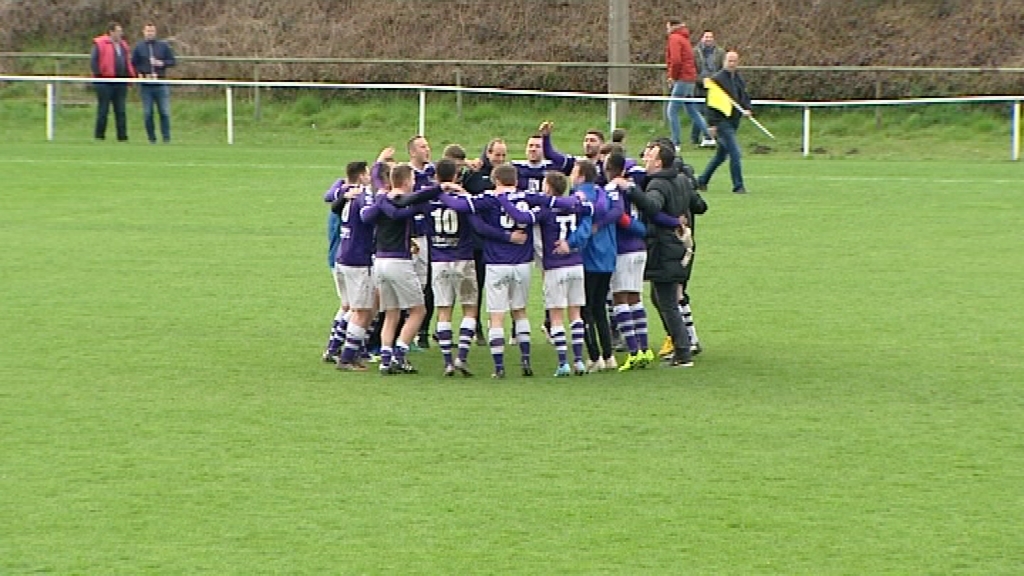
424,173
592,142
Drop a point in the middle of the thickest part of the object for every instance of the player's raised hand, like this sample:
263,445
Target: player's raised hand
386,154
546,127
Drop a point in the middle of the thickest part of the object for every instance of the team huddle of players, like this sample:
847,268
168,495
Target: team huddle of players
399,229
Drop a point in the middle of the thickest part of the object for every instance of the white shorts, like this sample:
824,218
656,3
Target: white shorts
629,272
564,287
398,283
451,279
508,286
355,286
419,260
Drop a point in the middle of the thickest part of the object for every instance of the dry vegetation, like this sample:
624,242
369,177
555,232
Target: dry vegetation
975,33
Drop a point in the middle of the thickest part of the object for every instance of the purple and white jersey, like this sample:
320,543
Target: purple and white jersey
496,226
531,176
451,234
424,178
356,246
627,241
571,223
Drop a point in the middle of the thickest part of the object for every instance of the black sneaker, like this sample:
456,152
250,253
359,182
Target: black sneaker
423,341
498,374
403,367
463,368
740,190
330,357
449,371
696,349
527,370
681,362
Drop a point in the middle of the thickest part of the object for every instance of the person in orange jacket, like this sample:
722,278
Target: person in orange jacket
682,74
111,58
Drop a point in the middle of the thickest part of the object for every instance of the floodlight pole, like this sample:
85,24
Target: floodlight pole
618,52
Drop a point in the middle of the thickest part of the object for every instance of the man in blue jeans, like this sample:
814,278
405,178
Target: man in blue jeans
682,74
724,128
151,59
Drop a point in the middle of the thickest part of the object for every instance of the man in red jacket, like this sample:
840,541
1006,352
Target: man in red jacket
111,58
682,74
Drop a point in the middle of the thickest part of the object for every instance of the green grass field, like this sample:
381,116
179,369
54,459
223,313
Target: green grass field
163,408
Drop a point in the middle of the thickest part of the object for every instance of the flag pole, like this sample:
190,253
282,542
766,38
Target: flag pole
743,111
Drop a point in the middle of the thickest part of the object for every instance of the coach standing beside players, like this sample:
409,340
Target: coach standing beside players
111,59
723,128
151,59
667,192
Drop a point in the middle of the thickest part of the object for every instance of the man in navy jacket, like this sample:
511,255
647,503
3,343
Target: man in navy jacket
151,59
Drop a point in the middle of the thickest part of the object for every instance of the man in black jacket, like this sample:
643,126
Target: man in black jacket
723,128
668,192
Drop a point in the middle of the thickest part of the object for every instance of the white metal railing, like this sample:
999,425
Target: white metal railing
612,99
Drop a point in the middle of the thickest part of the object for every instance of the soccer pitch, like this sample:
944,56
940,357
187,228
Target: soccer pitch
163,408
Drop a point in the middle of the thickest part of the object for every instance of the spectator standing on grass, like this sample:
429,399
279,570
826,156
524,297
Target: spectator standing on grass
151,59
682,74
111,58
723,128
709,59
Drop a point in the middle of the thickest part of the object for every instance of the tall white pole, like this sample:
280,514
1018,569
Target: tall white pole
613,114
423,113
49,111
1015,131
807,131
231,114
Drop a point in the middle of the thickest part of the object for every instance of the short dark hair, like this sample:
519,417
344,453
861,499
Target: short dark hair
408,145
113,26
505,175
587,169
354,170
598,133
614,165
455,152
618,135
401,174
447,170
557,182
674,21
667,155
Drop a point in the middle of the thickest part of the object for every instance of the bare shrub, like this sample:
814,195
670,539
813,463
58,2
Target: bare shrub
976,33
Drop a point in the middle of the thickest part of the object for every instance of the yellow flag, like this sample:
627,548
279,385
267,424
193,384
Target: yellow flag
717,98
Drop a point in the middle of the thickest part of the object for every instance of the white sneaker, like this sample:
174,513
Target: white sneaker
595,366
611,364
708,143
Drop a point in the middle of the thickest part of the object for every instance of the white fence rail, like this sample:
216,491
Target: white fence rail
228,85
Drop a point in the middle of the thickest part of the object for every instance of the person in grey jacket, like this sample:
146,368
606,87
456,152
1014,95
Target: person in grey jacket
668,192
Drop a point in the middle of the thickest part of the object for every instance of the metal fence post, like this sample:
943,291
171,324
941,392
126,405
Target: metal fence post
458,95
50,97
257,112
807,131
231,114
1015,133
